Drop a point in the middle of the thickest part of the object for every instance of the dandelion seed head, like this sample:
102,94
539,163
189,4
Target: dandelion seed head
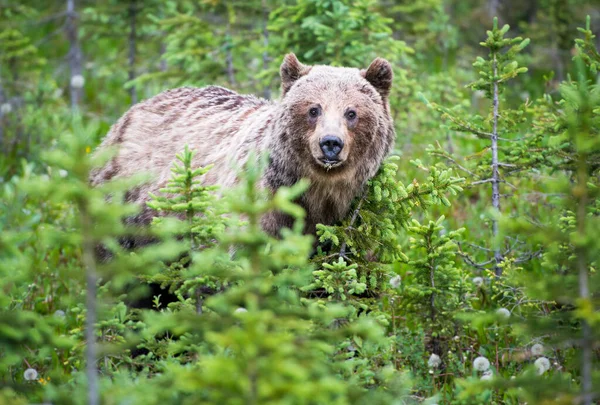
503,312
395,281
542,365
537,349
488,375
59,313
5,108
478,281
434,361
77,81
30,374
481,364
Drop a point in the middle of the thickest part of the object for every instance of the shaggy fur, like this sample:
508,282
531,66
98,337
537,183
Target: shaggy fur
222,127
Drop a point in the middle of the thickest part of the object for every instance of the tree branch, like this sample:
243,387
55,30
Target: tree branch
352,220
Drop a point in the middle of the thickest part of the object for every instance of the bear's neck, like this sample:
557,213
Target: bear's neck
328,202
327,199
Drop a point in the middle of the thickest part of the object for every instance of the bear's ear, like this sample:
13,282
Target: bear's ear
291,70
380,75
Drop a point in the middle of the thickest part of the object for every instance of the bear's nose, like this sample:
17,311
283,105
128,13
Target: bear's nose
331,146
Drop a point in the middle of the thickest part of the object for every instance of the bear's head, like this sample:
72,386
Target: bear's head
338,123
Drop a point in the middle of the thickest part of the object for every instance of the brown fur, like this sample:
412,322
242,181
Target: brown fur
222,127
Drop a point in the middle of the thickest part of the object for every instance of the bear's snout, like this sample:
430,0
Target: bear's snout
331,146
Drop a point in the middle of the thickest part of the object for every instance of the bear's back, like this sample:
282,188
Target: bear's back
219,125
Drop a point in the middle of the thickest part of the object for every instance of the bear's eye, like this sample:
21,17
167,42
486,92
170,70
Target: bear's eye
314,112
351,115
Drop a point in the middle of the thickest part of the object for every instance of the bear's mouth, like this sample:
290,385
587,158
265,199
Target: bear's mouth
329,164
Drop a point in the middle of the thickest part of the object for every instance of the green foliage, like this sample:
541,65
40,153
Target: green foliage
570,252
187,198
338,280
436,286
191,207
500,67
497,128
586,48
434,289
338,32
189,44
369,237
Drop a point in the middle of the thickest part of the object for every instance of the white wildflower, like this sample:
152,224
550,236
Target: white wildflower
537,349
488,375
542,365
434,361
481,364
395,281
59,313
478,281
5,108
240,310
456,338
77,81
30,374
503,312
63,173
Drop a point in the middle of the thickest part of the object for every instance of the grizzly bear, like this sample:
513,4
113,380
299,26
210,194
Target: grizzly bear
332,126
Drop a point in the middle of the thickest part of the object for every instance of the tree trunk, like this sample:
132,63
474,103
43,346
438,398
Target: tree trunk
2,101
89,262
495,172
587,349
132,47
75,58
265,55
163,62
493,8
229,57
